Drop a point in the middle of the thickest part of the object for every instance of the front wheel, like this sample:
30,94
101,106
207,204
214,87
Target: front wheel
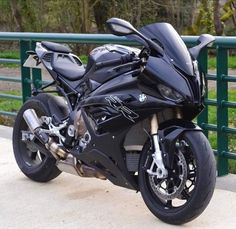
187,190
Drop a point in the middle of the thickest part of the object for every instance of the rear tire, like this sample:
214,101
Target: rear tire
38,165
196,198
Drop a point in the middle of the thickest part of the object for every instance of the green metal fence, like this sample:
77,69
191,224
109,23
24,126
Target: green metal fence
30,79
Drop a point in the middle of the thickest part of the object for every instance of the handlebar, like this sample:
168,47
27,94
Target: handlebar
122,60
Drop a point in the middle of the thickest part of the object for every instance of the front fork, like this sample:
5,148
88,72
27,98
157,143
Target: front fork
161,172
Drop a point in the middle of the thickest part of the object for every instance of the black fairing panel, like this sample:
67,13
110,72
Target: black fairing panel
167,37
113,160
157,70
118,101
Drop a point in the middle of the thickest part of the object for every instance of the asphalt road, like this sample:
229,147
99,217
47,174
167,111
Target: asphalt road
74,202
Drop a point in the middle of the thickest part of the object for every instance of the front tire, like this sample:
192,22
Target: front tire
199,177
34,160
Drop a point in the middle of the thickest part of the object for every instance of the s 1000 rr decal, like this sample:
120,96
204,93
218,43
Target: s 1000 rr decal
118,105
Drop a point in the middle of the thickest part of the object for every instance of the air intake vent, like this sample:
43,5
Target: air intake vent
77,61
47,57
132,161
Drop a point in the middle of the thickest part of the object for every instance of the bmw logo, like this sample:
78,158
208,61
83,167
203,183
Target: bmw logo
142,98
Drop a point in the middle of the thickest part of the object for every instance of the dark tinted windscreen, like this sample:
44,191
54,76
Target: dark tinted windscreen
174,47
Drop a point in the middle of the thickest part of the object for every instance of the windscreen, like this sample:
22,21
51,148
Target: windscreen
166,36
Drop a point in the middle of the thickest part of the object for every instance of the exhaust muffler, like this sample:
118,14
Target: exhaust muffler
72,166
32,119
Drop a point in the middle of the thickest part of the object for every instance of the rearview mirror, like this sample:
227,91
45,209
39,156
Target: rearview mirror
206,39
203,41
120,27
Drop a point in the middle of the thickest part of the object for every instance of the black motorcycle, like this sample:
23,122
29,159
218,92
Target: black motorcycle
126,117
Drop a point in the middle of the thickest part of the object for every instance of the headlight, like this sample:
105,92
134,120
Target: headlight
170,93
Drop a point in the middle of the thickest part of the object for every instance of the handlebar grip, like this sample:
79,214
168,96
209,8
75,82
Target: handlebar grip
122,60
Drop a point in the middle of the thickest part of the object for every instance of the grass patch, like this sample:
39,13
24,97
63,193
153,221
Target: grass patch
10,55
231,62
84,59
10,105
212,118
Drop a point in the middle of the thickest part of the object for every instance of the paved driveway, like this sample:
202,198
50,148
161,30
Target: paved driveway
74,202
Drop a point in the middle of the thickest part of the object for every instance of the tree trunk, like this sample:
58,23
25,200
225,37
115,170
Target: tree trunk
219,28
100,11
16,15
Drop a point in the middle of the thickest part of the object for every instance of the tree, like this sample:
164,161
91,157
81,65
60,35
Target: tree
219,27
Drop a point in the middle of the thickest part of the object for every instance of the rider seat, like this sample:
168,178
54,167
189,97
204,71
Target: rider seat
68,66
55,47
65,64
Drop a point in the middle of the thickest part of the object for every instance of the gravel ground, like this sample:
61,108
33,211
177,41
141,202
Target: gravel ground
15,72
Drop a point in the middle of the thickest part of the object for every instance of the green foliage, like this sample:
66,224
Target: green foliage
229,10
83,16
204,20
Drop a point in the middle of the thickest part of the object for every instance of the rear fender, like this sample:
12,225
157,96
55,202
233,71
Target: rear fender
56,105
168,133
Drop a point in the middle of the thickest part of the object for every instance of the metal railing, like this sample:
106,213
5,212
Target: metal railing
27,42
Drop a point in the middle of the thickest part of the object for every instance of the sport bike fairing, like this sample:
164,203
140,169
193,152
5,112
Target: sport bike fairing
175,68
166,36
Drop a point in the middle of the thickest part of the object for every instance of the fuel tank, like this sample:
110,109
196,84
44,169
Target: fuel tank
97,76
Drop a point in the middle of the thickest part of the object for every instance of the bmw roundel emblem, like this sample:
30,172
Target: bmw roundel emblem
142,98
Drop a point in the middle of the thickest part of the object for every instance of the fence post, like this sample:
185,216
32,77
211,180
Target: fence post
36,72
203,66
25,72
222,111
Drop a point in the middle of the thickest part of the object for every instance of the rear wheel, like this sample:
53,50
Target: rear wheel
187,190
34,160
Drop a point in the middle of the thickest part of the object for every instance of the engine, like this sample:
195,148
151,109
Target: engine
81,132
80,128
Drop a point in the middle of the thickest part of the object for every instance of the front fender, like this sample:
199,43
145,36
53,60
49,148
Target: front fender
168,133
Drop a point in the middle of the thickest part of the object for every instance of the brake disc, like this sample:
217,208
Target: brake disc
172,186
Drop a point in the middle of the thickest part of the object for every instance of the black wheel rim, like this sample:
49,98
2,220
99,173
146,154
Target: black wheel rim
189,186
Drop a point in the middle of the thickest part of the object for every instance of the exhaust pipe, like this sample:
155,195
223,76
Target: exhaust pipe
31,119
34,125
69,164
72,166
